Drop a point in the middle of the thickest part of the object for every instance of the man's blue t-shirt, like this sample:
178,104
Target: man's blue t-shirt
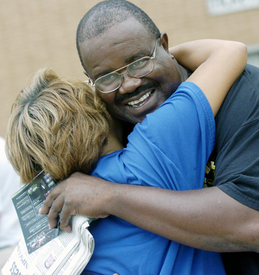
169,149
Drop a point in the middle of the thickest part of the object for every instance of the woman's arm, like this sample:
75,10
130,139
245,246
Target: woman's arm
216,65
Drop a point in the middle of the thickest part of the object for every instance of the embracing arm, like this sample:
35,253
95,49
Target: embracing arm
216,64
207,219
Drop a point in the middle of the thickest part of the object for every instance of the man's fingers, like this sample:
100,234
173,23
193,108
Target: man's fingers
49,200
54,210
64,218
67,229
44,210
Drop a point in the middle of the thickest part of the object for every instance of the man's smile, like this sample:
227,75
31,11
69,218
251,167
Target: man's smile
140,102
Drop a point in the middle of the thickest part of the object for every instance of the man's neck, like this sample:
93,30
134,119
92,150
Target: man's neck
114,142
184,73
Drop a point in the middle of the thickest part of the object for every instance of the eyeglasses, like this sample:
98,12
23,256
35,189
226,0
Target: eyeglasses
112,81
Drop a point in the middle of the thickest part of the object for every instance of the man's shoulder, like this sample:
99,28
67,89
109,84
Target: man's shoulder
248,79
251,70
244,91
240,107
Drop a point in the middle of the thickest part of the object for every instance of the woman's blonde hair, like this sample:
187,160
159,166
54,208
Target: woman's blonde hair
56,125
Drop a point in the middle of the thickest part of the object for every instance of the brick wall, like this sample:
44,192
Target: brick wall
35,34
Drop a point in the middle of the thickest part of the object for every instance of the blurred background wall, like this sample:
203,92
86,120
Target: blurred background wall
35,34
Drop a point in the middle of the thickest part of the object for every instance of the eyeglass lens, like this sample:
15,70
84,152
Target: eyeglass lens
112,81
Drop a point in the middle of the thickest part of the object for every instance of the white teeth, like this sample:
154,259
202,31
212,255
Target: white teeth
138,103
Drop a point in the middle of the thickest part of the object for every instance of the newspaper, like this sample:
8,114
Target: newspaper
68,253
43,250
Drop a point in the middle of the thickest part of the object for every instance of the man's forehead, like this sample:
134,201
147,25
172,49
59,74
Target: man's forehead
115,48
124,32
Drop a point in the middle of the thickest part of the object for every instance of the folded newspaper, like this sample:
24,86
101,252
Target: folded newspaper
43,250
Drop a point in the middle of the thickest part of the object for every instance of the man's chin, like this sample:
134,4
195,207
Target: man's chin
136,117
139,113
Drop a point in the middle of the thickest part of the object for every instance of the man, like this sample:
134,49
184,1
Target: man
223,218
82,136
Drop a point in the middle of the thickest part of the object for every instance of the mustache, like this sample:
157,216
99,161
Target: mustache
136,92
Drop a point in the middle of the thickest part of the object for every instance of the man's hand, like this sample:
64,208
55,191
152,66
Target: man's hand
78,195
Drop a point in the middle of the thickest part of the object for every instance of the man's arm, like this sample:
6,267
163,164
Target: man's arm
207,219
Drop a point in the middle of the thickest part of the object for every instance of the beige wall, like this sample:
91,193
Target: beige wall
35,34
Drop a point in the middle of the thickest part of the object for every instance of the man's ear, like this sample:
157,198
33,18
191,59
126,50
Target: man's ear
164,41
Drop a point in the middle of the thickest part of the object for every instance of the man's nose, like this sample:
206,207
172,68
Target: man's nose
129,83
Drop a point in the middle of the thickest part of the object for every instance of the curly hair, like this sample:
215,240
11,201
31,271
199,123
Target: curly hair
57,125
